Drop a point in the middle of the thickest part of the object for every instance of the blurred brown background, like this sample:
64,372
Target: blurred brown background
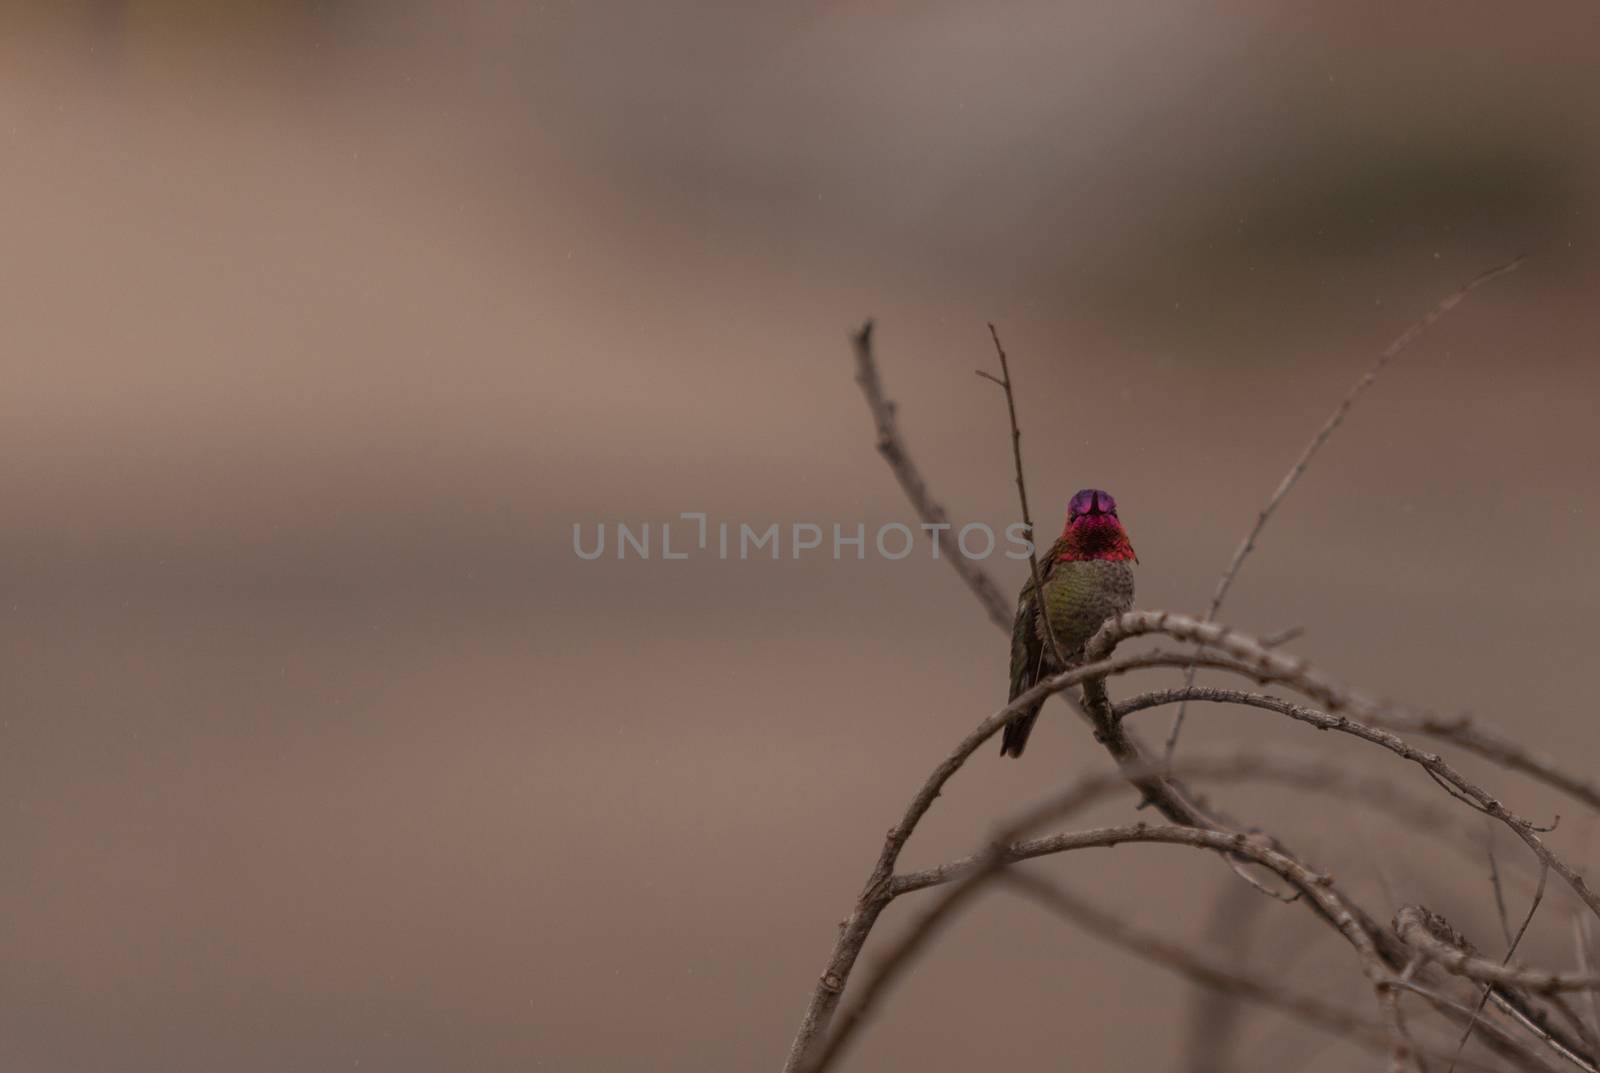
324,321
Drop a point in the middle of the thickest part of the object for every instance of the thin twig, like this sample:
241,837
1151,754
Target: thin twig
1004,380
1403,340
1213,975
1500,1038
1591,1045
1215,1008
1159,789
1310,774
1238,653
1421,928
1319,887
1434,938
1397,1060
875,894
1268,666
893,449
1499,747
1511,948
1253,659
1494,881
1166,795
1283,637
1242,871
1580,940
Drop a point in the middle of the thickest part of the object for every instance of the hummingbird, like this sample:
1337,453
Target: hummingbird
1087,577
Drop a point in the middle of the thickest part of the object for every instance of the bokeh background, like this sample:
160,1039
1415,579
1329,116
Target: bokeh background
324,321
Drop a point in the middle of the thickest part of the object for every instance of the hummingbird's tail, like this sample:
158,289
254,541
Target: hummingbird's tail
1015,735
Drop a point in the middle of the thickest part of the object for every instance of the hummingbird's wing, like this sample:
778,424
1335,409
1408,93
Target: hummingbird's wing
1027,656
1027,647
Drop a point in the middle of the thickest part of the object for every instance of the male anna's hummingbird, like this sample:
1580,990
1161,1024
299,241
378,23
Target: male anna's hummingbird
1087,578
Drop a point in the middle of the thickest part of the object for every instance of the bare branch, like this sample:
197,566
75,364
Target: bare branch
1497,1037
1405,339
1432,936
1318,887
1306,773
1501,1040
1283,637
1372,731
1239,869
1236,652
1215,976
1267,666
1215,1009
1219,649
1022,491
876,894
1167,797
893,450
1580,941
1497,746
1494,881
981,866
1511,947
1538,898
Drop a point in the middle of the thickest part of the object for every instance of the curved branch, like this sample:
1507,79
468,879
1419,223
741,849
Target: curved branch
1499,747
1164,792
1468,733
1214,973
1223,649
1267,666
1405,339
876,894
1318,887
893,449
1310,774
1433,937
